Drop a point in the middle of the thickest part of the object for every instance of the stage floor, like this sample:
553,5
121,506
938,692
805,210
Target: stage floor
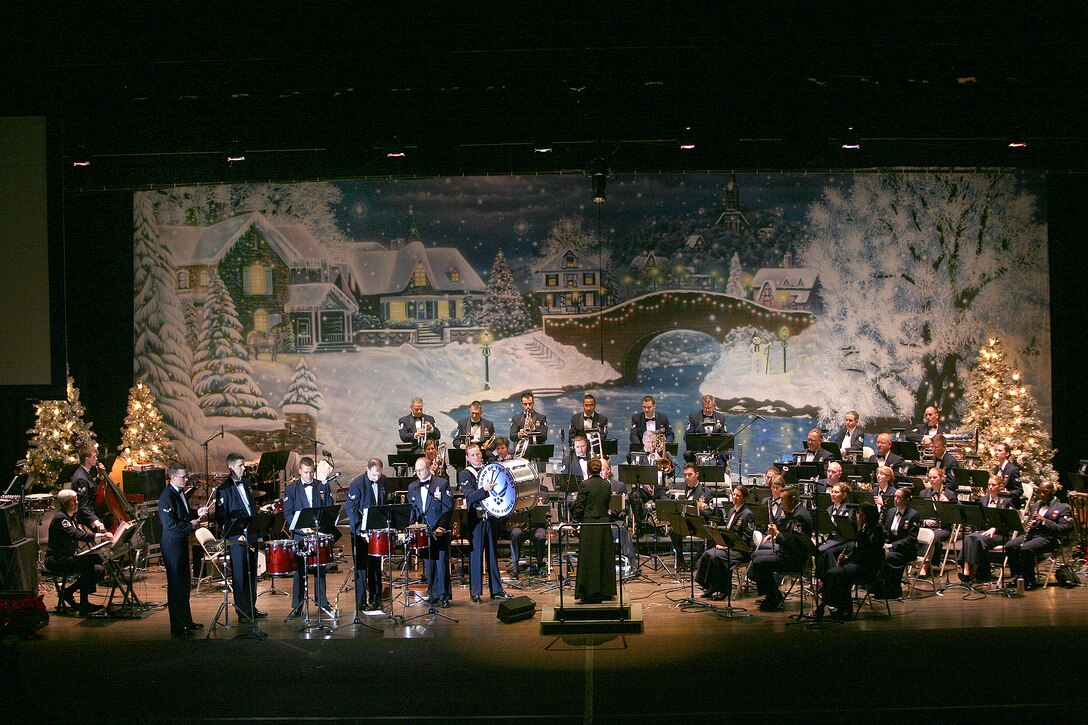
990,657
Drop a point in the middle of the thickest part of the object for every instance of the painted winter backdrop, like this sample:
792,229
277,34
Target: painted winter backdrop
285,313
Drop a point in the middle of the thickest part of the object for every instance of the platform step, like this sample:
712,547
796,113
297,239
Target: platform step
591,619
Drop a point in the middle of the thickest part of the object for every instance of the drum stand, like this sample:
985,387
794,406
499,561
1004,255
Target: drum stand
431,611
408,593
303,607
347,584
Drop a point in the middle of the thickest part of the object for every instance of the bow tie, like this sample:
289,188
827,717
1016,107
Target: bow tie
581,458
307,485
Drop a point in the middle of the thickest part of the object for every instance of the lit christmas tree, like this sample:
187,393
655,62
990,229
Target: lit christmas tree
58,434
144,437
504,309
1004,410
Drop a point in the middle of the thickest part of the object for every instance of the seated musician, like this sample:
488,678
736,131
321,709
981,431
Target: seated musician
439,466
529,424
588,420
884,489
776,482
923,432
783,555
650,420
974,556
936,491
417,427
707,421
1009,473
834,477
814,451
578,460
850,438
696,494
901,524
884,455
945,460
303,493
475,428
1049,520
64,538
858,561
85,484
521,529
367,490
651,456
715,568
432,504
501,451
835,544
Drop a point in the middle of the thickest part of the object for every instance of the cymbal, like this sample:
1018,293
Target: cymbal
257,493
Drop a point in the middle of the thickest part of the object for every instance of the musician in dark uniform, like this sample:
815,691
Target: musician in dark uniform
432,504
849,438
937,491
695,494
945,460
500,452
85,484
1009,473
835,544
234,500
588,419
1048,521
529,423
64,538
484,528
783,555
834,477
814,451
650,420
303,493
475,428
974,557
715,569
178,523
367,490
859,561
708,420
577,463
417,427
596,555
923,432
522,529
884,455
901,524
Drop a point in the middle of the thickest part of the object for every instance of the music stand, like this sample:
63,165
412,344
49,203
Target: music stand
802,543
539,452
456,457
431,611
672,512
976,478
682,520
949,513
906,449
732,541
833,449
797,471
708,442
1077,482
634,477
246,531
863,471
323,520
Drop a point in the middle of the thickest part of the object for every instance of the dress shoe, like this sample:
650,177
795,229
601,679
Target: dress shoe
195,626
840,615
475,598
68,599
89,608
502,595
1032,586
445,603
771,604
181,632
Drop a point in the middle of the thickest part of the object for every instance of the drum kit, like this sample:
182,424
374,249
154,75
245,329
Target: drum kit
284,557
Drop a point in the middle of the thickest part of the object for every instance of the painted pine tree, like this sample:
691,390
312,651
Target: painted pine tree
734,285
303,388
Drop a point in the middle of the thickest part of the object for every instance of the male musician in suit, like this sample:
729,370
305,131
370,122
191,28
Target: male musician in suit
696,494
814,451
649,456
475,428
588,419
859,560
884,455
303,493
849,438
784,554
923,432
714,571
484,528
945,460
85,484
577,462
432,504
178,522
417,427
367,490
233,501
650,420
64,537
937,490
901,524
974,559
708,420
1009,473
1048,521
834,476
529,424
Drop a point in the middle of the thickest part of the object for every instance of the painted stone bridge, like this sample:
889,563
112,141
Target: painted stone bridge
620,333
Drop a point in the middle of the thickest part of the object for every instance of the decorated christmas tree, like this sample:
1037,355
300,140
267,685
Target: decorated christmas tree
504,310
144,437
303,389
1004,410
58,434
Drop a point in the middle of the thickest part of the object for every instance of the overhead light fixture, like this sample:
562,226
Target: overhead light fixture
80,158
687,139
598,179
1018,144
236,154
852,142
542,148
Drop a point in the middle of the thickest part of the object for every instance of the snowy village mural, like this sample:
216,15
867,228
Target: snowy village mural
292,313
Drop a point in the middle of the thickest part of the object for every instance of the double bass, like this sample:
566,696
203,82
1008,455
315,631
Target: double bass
110,504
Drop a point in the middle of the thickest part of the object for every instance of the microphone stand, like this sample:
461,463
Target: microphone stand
294,431
204,445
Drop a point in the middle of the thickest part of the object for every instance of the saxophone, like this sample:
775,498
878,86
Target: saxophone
664,463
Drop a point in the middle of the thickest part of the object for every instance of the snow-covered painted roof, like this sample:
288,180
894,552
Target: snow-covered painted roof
640,261
208,245
694,241
311,296
786,278
557,262
384,271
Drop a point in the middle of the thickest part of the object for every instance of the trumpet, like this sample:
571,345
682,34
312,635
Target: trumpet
439,464
486,445
528,428
424,430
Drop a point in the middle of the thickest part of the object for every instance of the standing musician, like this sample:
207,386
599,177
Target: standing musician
1009,473
699,496
1048,521
85,484
814,451
303,493
901,524
367,490
64,537
650,420
588,420
577,462
884,455
417,427
859,561
501,452
849,438
528,424
178,522
475,428
715,569
782,556
923,432
233,501
596,554
974,556
484,528
432,504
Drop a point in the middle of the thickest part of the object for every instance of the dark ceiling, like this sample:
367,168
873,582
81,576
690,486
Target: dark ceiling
156,94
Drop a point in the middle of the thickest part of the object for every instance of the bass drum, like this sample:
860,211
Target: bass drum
516,487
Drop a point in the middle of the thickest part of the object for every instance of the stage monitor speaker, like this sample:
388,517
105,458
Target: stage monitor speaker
516,609
19,566
11,523
152,529
150,483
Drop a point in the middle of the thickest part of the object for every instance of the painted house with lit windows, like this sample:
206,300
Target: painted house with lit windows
569,281
787,287
275,273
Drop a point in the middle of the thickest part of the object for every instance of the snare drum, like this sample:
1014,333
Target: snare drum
318,549
39,502
382,541
280,557
416,537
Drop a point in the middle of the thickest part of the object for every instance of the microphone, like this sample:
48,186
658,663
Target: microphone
326,454
333,477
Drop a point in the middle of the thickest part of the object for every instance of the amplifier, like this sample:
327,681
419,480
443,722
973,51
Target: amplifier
149,483
516,609
11,523
19,566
